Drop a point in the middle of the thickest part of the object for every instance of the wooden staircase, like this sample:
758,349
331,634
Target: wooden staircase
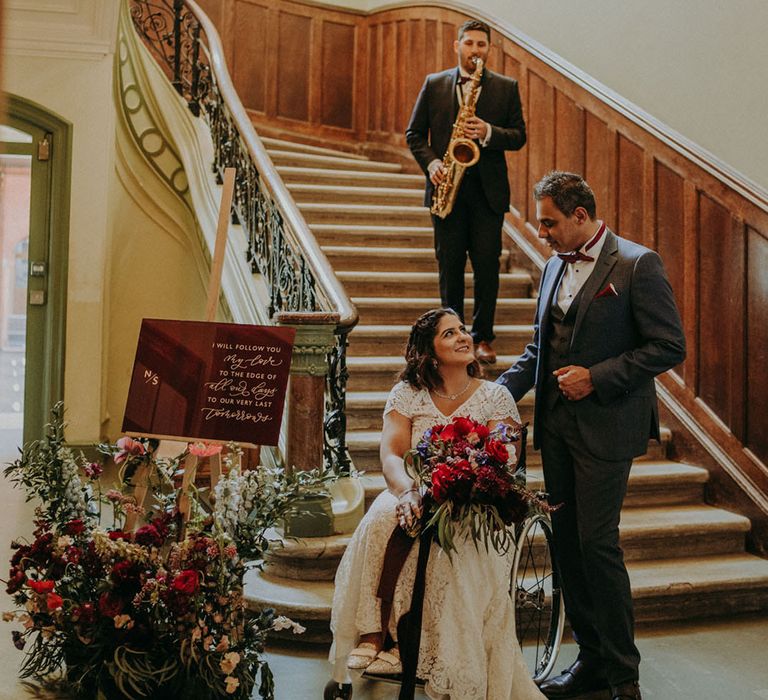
685,558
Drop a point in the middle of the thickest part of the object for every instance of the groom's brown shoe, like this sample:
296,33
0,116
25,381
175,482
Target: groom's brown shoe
579,678
485,353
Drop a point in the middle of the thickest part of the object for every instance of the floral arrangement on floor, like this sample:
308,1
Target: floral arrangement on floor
157,612
472,484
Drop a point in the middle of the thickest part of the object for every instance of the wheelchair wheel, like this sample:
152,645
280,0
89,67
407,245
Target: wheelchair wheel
535,588
337,691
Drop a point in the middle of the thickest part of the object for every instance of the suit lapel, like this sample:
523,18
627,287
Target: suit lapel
552,276
454,97
594,283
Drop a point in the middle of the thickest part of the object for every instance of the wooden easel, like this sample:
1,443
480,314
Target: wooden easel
191,462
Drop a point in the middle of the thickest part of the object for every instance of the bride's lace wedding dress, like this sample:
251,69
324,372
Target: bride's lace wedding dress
468,650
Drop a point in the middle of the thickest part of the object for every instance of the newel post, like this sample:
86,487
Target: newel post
305,399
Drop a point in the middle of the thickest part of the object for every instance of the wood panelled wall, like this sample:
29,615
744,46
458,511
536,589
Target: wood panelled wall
352,78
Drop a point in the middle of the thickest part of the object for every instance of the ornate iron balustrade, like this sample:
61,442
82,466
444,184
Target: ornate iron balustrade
281,247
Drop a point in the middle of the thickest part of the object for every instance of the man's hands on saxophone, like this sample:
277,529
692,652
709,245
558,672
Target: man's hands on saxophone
475,128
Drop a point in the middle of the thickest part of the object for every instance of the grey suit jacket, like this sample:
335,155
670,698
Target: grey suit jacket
431,124
624,340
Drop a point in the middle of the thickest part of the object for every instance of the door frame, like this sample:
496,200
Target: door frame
48,235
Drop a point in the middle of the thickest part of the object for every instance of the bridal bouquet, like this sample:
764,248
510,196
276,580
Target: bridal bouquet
157,612
472,485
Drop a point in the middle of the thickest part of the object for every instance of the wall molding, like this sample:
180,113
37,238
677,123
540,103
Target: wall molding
76,29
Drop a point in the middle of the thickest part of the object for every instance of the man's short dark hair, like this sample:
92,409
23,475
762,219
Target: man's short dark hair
567,191
475,25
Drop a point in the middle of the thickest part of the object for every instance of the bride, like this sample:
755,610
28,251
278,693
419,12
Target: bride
468,648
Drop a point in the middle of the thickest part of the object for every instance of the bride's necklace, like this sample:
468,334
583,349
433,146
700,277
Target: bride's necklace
453,397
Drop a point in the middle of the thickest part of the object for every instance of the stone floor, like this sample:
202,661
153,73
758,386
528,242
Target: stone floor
705,660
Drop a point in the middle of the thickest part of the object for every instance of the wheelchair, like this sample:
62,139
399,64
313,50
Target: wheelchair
539,606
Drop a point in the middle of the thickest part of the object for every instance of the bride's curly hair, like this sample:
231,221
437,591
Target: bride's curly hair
421,370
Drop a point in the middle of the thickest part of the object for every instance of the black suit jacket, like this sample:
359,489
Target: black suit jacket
431,125
625,340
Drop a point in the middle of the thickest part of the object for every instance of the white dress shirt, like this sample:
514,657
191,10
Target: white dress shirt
576,273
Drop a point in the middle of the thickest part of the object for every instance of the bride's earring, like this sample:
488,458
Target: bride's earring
434,363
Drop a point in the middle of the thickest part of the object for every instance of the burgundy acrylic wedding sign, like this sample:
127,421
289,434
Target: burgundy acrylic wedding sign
195,380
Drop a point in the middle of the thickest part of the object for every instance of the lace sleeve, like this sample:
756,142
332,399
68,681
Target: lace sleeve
503,405
400,399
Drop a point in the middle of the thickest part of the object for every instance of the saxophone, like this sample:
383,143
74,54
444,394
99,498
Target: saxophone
461,153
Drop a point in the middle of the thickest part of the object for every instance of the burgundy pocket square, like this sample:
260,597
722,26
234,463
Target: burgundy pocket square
608,291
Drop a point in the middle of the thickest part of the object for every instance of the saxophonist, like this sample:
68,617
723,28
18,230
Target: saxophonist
473,227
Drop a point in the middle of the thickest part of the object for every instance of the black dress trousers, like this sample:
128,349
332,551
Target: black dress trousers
473,229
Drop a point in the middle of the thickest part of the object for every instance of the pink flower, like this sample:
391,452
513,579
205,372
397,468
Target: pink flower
204,449
128,447
93,470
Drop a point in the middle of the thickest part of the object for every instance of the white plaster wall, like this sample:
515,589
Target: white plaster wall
699,66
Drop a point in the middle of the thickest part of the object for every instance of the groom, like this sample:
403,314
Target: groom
606,324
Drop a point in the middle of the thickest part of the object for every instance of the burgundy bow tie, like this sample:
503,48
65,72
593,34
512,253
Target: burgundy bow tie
576,255
464,79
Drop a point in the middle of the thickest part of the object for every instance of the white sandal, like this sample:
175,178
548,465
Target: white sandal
387,663
362,656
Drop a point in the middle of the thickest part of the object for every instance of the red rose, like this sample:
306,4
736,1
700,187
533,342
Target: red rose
185,582
448,433
110,604
463,426
74,527
436,430
54,601
497,451
40,587
119,535
482,431
441,481
148,536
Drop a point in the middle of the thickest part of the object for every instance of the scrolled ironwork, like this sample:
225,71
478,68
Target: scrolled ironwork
174,34
335,452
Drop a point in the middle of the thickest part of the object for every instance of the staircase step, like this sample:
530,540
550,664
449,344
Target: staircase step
715,586
388,310
363,214
341,178
272,144
312,160
380,340
345,194
380,236
410,285
663,590
380,259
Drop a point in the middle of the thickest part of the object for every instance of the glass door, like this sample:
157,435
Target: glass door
15,192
